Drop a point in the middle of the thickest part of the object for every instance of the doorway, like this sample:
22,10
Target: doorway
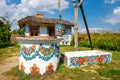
51,30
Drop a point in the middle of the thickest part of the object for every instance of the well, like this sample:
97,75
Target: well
38,55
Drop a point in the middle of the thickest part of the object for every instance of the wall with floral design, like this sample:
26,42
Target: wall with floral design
63,32
39,59
78,60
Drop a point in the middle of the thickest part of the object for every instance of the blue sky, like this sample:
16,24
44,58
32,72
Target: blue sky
100,14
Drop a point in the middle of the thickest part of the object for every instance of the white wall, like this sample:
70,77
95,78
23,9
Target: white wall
43,31
27,30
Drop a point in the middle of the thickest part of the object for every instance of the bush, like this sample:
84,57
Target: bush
108,41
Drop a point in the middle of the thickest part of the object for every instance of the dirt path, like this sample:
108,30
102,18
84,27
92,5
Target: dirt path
7,65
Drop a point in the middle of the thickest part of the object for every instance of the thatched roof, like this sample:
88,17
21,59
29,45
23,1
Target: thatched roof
35,21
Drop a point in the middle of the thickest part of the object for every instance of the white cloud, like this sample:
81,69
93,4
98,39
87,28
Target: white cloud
110,1
30,7
94,30
116,11
113,18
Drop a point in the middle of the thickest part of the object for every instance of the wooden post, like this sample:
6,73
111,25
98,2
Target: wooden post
59,9
76,27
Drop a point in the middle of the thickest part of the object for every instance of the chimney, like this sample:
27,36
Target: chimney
40,15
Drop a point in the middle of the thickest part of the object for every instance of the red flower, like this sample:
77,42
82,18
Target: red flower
100,59
81,61
34,70
49,69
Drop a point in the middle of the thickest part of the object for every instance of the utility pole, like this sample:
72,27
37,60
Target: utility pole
76,23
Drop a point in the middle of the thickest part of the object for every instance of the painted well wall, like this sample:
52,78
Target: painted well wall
38,58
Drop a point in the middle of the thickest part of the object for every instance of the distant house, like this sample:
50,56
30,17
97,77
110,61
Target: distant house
47,27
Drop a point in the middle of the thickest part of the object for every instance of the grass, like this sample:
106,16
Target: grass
103,71
8,51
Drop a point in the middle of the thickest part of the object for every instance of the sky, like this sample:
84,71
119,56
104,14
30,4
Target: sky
100,14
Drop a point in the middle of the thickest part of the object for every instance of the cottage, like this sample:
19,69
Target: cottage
47,27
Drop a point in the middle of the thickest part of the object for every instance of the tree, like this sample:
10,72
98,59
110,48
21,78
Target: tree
4,30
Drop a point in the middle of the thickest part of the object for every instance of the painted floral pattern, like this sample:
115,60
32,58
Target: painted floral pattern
34,70
49,69
87,60
29,50
60,29
46,51
43,52
22,68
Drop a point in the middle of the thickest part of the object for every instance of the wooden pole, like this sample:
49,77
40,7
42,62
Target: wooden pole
76,27
59,8
86,25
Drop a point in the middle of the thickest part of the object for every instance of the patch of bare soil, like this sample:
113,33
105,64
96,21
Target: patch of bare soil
7,65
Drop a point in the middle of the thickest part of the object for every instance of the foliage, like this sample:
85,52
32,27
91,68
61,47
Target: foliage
18,31
4,31
107,41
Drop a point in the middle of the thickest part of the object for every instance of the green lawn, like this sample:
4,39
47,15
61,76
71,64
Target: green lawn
109,71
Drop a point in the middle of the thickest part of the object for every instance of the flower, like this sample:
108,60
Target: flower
76,59
41,50
100,59
81,61
27,51
34,70
49,68
22,68
46,52
30,50
51,50
104,60
87,58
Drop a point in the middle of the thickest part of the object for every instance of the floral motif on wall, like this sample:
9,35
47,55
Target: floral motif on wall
29,50
34,70
42,52
46,51
60,29
49,69
22,68
88,60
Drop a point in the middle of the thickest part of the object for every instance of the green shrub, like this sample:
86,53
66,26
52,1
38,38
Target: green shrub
107,41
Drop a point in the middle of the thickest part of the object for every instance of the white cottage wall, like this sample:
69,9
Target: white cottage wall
27,30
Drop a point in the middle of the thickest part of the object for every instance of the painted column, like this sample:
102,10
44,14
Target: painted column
27,31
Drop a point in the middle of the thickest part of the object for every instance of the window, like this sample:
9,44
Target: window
34,31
